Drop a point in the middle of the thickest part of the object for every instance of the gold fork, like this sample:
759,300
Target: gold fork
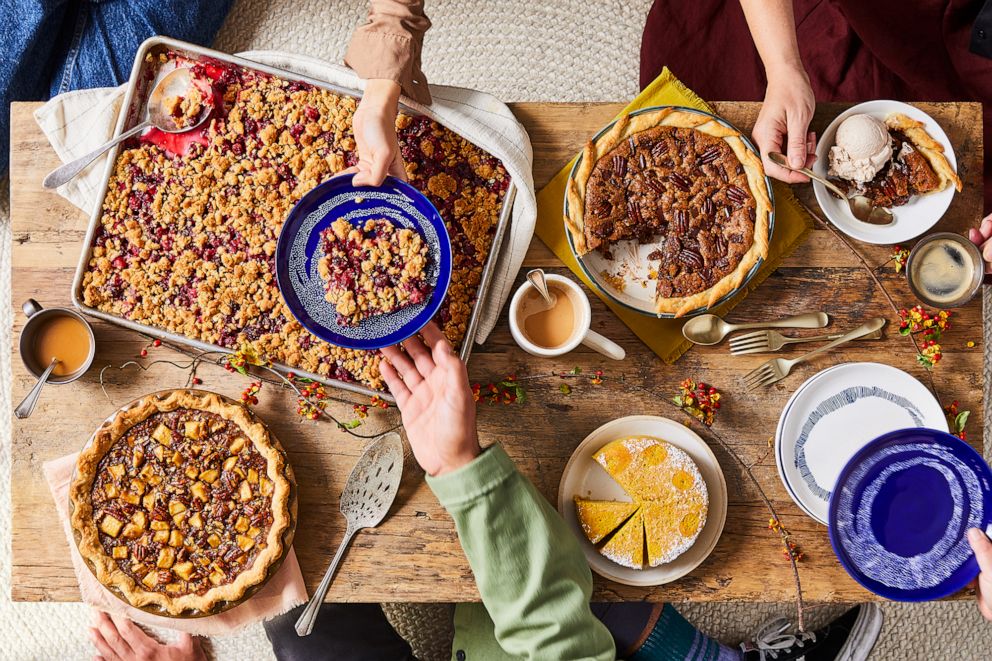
777,369
769,340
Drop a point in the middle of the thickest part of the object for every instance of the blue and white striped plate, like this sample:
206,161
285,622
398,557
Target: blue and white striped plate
300,249
901,509
834,414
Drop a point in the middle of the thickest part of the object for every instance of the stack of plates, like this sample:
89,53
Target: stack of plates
835,414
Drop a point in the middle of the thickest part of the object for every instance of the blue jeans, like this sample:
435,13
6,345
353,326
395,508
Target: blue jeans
52,46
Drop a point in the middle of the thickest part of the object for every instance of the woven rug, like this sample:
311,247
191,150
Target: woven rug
519,50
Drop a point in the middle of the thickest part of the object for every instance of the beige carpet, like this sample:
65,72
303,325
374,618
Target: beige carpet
557,50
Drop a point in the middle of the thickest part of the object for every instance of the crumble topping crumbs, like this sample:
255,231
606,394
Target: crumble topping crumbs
375,269
187,242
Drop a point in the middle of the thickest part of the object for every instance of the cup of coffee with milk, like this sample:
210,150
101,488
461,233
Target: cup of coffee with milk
553,328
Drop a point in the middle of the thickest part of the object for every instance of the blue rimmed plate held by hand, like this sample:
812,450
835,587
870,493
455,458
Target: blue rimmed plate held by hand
300,249
901,509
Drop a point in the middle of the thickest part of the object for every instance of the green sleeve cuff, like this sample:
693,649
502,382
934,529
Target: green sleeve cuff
474,480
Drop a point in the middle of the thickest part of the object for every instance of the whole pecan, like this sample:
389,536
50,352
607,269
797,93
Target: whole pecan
709,155
659,149
736,195
680,182
681,221
634,212
691,258
619,164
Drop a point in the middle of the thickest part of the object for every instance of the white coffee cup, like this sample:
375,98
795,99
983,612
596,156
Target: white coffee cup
581,333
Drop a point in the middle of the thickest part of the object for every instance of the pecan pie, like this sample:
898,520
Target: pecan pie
181,502
187,236
685,181
375,269
918,167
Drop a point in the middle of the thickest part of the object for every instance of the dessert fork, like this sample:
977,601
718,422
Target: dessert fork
777,369
769,340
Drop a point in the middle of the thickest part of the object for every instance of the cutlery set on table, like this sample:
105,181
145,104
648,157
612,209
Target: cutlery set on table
709,329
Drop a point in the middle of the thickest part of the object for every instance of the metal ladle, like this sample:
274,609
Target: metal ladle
862,208
536,278
175,83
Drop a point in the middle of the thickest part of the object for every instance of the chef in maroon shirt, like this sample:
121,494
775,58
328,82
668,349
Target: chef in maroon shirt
791,53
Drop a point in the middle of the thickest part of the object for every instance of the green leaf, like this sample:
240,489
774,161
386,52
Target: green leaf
904,330
961,420
565,389
576,370
351,424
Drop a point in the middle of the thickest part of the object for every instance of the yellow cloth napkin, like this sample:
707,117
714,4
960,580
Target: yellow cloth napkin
664,336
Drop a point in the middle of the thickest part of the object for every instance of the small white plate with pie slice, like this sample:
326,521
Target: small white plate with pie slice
912,219
584,477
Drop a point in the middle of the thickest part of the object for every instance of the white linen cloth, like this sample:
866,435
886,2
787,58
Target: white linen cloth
78,122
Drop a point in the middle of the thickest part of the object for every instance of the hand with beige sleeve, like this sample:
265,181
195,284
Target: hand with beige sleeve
385,52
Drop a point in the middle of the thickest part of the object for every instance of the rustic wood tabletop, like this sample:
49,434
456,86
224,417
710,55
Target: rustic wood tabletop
414,555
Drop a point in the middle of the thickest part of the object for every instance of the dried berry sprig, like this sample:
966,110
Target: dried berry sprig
508,391
265,373
898,258
699,400
957,420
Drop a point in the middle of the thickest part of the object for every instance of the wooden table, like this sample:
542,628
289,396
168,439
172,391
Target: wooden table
414,555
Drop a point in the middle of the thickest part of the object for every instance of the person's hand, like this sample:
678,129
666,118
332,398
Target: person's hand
375,134
783,123
431,388
120,639
982,237
982,547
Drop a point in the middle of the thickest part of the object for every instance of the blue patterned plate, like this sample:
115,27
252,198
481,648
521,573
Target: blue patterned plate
299,250
900,511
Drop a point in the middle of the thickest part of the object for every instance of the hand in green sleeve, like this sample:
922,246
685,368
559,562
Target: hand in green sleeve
533,578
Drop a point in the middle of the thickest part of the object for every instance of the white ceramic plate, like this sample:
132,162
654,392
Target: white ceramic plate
836,413
586,478
912,219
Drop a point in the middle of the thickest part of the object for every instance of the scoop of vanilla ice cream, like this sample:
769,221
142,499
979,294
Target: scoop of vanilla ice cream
861,148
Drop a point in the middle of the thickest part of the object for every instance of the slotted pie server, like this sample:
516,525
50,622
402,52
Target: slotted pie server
365,501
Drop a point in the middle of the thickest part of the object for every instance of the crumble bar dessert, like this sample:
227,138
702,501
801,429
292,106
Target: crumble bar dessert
181,501
375,269
685,181
670,502
186,241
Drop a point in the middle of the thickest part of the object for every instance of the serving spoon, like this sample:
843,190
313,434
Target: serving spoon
710,329
26,407
862,208
175,83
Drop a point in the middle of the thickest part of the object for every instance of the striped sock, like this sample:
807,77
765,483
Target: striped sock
673,639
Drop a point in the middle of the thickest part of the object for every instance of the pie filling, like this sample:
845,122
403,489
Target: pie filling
188,230
908,173
376,269
182,502
685,190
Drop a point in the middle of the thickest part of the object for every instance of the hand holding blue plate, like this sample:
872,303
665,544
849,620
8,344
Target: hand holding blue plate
901,509
300,249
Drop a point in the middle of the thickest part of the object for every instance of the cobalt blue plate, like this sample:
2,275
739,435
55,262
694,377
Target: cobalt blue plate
300,249
900,511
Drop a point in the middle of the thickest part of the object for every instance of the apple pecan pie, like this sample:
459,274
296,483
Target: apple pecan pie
685,181
188,229
181,502
375,269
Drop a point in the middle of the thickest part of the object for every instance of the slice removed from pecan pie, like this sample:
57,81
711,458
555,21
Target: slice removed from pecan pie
181,502
373,269
681,180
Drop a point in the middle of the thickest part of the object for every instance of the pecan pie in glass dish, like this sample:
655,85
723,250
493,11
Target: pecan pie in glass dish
181,503
673,198
187,232
377,268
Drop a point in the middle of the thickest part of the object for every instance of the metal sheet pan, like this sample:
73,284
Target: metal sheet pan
136,94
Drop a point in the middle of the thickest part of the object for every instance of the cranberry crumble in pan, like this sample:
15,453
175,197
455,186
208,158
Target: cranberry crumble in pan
184,242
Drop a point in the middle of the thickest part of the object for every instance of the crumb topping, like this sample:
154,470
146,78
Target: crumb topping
376,269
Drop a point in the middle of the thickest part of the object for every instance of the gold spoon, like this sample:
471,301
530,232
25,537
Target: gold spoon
861,207
710,329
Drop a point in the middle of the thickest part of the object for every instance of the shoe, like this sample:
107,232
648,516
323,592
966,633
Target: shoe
848,638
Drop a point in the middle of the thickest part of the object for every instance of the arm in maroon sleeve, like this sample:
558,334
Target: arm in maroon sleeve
388,46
